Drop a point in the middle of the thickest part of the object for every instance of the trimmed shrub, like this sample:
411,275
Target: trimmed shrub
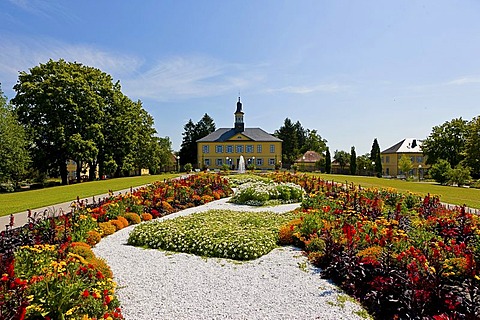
123,221
146,216
117,224
132,218
107,228
93,237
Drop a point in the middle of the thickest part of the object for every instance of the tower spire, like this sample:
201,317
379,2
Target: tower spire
239,125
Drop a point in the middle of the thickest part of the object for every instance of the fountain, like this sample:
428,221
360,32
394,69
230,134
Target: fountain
241,165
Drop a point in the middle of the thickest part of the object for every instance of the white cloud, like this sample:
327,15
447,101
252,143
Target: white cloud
324,87
174,78
186,77
465,80
20,54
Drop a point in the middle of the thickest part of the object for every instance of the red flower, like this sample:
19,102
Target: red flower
85,293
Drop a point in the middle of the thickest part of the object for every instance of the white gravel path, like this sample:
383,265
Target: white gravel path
155,284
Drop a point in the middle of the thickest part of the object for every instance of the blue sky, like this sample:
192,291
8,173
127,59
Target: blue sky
352,70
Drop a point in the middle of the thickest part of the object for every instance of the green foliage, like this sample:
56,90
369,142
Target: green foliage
459,176
215,233
14,156
193,132
447,142
187,167
376,158
472,146
405,165
342,157
440,170
353,161
328,161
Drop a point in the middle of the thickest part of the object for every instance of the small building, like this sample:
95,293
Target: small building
409,147
227,145
309,161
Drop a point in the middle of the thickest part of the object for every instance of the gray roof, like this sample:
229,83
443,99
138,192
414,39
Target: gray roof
224,134
409,145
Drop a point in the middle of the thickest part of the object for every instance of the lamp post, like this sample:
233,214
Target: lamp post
373,168
178,163
253,163
227,162
419,170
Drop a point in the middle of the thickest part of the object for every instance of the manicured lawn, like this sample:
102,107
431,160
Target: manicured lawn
452,195
21,201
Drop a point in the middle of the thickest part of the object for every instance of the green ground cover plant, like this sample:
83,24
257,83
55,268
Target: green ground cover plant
448,194
262,193
215,233
32,199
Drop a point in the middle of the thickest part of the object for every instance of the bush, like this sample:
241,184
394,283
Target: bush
84,251
215,233
93,237
440,171
107,228
132,218
117,224
123,221
146,216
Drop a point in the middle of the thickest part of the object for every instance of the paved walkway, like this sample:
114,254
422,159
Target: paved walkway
21,218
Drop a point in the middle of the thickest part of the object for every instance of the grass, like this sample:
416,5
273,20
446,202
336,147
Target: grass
33,199
453,195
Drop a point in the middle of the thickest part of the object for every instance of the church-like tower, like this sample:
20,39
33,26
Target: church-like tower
239,124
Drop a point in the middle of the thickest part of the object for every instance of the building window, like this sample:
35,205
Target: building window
219,149
412,159
419,159
239,149
207,162
249,148
271,162
229,149
387,159
219,162
272,148
259,162
206,149
382,159
259,148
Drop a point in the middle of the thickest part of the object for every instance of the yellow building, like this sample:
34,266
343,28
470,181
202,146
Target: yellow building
226,145
411,148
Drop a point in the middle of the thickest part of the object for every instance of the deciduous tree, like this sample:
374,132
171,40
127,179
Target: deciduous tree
14,156
446,141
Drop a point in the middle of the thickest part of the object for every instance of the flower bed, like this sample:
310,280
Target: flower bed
402,256
224,234
262,193
60,289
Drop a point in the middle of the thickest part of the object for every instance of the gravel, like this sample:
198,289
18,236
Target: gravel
154,284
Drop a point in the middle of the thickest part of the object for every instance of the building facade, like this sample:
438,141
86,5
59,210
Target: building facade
309,161
227,145
411,148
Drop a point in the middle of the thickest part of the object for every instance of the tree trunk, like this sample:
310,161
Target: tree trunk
64,172
79,171
92,169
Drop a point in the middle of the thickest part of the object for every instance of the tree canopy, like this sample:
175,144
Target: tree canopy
446,141
14,156
353,161
376,158
193,132
297,141
76,112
